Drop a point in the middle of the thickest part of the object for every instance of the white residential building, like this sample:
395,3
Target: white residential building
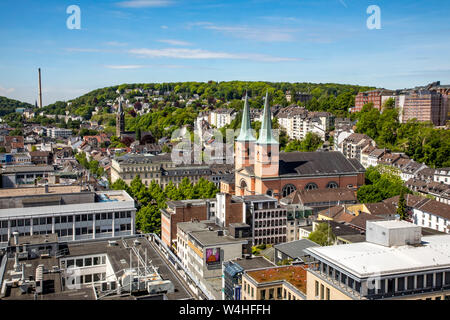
298,121
442,175
221,117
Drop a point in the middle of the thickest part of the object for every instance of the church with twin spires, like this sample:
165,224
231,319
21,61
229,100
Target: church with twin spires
261,169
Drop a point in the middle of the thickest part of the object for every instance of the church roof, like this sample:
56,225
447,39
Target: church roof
316,163
246,129
266,134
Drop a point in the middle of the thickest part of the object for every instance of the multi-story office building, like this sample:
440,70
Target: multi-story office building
183,211
68,211
203,247
223,210
395,262
267,218
16,176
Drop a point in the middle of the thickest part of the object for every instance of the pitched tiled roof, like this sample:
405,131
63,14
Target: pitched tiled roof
360,220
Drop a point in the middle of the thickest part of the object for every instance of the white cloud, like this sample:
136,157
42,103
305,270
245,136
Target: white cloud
125,67
183,53
164,27
4,91
144,3
175,42
262,34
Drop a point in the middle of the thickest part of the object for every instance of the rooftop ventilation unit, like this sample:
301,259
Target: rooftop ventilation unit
112,243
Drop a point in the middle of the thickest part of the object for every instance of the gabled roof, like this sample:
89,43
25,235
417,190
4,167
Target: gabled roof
360,220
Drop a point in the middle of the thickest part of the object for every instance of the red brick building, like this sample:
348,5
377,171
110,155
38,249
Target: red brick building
374,96
261,169
223,210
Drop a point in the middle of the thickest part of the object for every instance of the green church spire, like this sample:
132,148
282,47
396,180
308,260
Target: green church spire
265,135
246,129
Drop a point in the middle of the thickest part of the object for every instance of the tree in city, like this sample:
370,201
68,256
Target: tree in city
401,207
323,235
382,182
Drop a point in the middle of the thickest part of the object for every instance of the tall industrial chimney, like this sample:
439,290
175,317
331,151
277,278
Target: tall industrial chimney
40,89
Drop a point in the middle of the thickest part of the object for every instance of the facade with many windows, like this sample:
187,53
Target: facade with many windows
395,262
71,214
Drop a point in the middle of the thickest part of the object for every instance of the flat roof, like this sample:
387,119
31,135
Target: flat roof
295,249
295,275
210,238
119,257
24,169
394,224
31,191
253,263
113,201
366,259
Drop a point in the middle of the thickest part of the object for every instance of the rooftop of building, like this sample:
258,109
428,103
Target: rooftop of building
295,249
255,198
340,229
337,213
68,203
295,275
210,238
366,259
253,263
361,219
196,225
320,196
381,208
27,168
317,163
144,159
33,191
118,256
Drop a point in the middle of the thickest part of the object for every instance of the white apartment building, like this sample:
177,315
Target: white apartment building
221,117
56,133
353,146
442,176
298,121
432,214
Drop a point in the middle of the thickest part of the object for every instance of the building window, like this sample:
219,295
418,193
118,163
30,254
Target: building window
332,185
288,189
311,186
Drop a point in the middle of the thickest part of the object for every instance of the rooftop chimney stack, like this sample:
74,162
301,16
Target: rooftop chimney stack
40,89
16,238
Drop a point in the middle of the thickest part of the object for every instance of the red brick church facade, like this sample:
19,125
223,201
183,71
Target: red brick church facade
261,169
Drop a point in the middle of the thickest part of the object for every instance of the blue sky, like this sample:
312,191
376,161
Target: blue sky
133,41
